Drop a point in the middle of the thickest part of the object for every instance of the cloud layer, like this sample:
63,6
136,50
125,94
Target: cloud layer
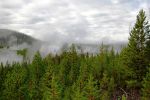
63,21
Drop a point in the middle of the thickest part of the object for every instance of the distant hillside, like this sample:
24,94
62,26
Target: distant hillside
10,38
11,41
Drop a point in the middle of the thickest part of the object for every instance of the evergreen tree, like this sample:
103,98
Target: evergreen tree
49,85
134,54
45,83
146,87
67,93
36,72
78,93
104,94
74,64
147,31
4,69
55,89
14,83
91,89
23,53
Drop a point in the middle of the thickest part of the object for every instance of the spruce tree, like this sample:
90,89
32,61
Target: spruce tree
104,94
74,64
146,87
14,83
77,93
147,30
36,72
134,54
49,85
55,90
91,90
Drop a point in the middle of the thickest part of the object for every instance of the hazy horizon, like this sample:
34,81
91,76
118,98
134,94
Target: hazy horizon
69,21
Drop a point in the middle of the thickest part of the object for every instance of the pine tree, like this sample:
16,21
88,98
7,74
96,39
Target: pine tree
14,83
63,72
48,60
103,57
38,65
36,72
147,31
55,89
45,83
74,64
134,54
50,87
67,93
104,87
111,86
23,53
91,89
146,87
77,93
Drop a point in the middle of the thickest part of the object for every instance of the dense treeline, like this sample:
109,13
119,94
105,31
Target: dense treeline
78,76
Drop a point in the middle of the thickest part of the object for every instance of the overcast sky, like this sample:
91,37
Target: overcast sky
84,21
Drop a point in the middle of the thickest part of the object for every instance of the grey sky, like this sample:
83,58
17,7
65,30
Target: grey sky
83,21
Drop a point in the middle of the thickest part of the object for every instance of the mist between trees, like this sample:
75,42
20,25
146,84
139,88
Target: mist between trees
107,75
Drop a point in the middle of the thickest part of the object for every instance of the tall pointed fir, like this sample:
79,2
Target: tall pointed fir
55,91
91,90
134,54
36,72
74,64
77,92
50,87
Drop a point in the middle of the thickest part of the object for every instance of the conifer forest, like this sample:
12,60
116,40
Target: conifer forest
74,75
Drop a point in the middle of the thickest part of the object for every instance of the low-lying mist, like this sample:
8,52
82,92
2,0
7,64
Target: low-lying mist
13,41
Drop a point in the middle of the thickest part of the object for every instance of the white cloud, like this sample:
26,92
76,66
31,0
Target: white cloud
60,21
115,1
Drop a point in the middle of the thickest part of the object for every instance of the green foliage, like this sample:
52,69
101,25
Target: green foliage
37,70
14,83
134,55
23,53
123,97
104,94
78,76
91,90
146,87
77,93
50,86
